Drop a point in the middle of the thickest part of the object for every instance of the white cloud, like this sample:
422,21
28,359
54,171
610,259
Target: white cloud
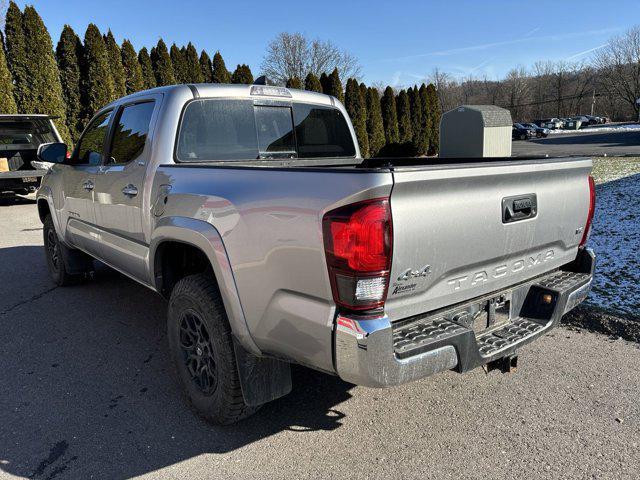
579,54
487,46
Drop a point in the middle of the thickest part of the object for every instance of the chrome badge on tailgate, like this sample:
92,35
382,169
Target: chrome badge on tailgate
499,271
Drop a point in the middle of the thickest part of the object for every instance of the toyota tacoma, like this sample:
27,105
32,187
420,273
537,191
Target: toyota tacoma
251,210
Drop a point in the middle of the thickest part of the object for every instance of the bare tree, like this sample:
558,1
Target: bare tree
619,66
295,55
445,87
517,88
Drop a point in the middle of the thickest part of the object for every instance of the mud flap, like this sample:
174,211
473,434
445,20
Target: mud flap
262,379
75,261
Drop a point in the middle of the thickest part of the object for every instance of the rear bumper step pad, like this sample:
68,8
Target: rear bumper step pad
414,337
378,353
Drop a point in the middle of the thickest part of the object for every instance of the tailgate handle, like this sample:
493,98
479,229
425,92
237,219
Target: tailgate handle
519,207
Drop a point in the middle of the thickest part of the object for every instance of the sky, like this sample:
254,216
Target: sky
397,42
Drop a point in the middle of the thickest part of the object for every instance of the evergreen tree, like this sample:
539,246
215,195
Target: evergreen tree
355,105
416,121
43,74
205,67
148,76
427,119
433,107
404,117
220,72
179,64
162,68
132,70
363,94
294,82
312,83
324,83
242,74
7,102
69,52
389,116
15,43
97,84
375,128
193,64
115,66
335,86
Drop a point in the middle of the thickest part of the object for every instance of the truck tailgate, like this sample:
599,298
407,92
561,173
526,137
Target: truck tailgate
452,240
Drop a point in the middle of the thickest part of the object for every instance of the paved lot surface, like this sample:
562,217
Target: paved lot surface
87,392
581,143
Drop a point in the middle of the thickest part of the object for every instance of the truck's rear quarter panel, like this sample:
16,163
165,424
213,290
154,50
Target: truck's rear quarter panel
271,223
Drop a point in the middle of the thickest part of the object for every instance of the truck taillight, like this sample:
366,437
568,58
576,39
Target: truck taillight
358,244
592,209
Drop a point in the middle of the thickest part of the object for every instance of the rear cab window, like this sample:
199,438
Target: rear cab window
25,133
229,129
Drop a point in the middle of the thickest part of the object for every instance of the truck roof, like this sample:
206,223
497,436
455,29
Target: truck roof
209,90
27,116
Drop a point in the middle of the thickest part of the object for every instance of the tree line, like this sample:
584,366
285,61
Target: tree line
608,84
78,77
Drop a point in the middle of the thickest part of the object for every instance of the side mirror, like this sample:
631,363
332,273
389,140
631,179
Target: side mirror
52,152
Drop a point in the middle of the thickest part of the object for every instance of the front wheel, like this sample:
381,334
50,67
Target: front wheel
53,251
202,350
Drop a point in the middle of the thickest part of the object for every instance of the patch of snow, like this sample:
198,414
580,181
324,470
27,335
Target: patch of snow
615,236
613,128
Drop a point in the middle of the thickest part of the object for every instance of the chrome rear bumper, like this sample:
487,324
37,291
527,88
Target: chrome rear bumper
377,353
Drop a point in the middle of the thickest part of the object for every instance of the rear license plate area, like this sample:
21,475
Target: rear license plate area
29,179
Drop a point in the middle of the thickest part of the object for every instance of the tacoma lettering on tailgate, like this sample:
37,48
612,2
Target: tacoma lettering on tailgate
501,270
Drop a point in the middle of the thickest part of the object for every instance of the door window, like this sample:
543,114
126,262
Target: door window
130,133
91,145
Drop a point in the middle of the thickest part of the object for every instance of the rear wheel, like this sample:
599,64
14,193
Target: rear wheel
523,136
54,255
202,350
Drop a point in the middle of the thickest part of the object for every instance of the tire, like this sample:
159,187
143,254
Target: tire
202,350
523,136
54,256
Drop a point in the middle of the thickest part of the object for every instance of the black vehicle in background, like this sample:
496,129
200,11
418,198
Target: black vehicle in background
540,132
20,137
520,132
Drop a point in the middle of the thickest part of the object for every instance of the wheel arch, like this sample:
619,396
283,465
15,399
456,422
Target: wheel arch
196,237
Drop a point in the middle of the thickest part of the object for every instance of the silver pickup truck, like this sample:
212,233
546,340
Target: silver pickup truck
250,209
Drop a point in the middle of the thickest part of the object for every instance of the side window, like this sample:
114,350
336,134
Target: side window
130,133
89,149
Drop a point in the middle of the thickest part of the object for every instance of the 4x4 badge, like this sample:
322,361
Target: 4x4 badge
410,273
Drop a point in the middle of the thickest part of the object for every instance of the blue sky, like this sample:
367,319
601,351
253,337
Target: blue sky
397,42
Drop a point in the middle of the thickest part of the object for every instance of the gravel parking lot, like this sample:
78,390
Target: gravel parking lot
88,393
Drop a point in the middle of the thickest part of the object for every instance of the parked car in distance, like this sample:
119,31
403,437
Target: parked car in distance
520,132
250,209
587,120
540,132
550,123
20,137
593,120
573,123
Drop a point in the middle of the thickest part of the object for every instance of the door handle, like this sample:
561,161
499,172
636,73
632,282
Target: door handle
130,190
519,207
88,185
